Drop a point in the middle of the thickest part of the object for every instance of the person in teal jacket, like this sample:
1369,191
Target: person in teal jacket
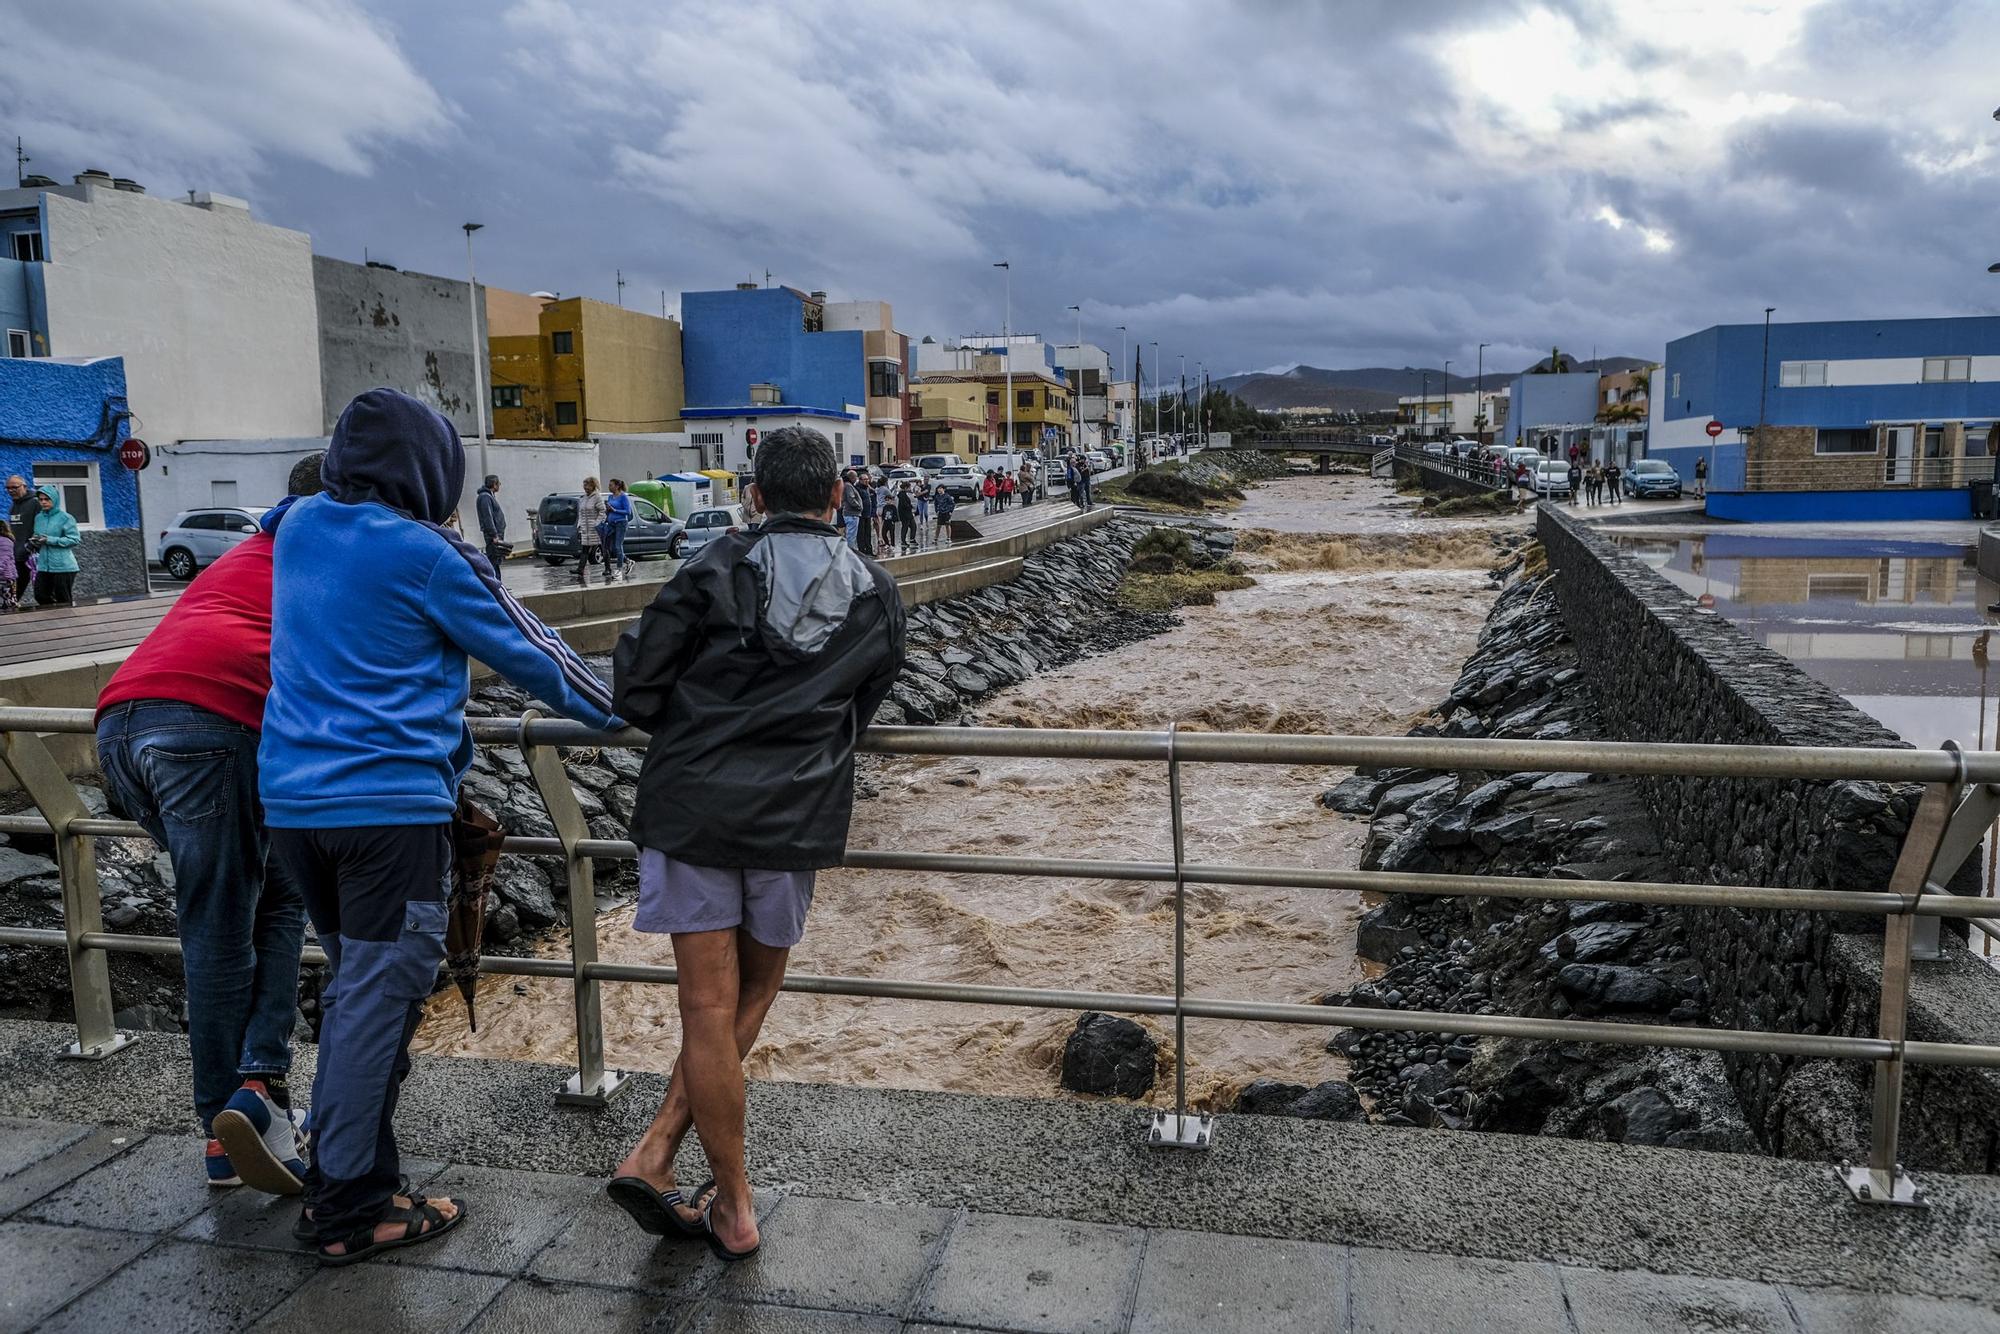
54,545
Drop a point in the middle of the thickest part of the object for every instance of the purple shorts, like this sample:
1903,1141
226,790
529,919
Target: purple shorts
676,898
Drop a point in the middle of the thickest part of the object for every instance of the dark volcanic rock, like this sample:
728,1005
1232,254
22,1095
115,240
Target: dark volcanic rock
1605,986
1109,1055
1643,1116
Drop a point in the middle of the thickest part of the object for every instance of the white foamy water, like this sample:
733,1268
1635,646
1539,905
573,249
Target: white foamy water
1360,651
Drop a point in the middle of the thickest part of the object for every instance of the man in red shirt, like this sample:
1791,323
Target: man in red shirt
177,734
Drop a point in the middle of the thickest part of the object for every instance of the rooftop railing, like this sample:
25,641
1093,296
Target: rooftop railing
1960,797
1846,472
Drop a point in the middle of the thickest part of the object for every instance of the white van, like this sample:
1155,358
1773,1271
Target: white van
930,463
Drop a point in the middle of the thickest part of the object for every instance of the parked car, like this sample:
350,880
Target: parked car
1521,461
705,525
930,463
1098,460
1651,477
960,480
201,537
898,476
652,531
1435,448
1551,478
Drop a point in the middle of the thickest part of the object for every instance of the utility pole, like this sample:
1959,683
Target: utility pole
1126,366
1180,408
1158,388
1076,389
1764,381
1007,348
478,352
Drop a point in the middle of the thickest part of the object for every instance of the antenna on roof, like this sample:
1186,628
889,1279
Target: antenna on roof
767,277
21,161
620,273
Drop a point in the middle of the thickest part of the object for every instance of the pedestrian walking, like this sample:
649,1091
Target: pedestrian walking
906,518
1006,490
177,734
53,548
989,489
755,669
8,600
493,521
1083,483
1700,477
1612,478
376,611
851,507
870,510
23,504
924,513
617,517
590,512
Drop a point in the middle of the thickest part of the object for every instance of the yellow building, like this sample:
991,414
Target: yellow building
951,417
1041,403
587,368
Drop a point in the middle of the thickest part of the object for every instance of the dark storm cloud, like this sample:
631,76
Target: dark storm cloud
1251,184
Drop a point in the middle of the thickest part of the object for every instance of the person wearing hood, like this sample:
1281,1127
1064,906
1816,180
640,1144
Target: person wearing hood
177,734
756,669
376,609
54,544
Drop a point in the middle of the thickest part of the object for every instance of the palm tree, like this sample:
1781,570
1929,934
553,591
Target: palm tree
1621,412
1557,364
1642,383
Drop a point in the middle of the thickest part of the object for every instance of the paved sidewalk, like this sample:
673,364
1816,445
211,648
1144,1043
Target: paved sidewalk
108,1230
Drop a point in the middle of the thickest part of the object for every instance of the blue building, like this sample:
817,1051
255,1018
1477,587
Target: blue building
1549,412
61,423
1860,419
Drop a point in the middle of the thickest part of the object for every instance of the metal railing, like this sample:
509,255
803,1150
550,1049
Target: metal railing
1466,467
1838,472
1961,795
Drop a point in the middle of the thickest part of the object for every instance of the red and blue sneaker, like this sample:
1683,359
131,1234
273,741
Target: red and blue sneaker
262,1138
221,1172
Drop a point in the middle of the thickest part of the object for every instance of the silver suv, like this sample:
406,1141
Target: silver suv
202,537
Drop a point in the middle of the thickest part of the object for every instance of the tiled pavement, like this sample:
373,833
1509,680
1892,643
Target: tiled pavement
103,1230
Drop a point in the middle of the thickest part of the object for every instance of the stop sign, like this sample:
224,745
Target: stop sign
1714,429
750,436
135,454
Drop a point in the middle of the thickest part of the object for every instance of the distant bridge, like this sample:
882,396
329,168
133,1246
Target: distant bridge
1326,445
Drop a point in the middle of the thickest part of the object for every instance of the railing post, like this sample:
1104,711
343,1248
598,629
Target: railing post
36,770
592,1085
1883,1180
1178,1130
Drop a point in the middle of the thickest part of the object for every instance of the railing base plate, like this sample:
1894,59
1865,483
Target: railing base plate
1180,1132
76,1051
573,1094
1860,1183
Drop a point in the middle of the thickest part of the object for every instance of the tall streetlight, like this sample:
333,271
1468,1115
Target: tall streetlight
1076,387
1158,425
478,351
1764,384
1180,406
1007,348
1447,398
1126,366
1479,394
1424,406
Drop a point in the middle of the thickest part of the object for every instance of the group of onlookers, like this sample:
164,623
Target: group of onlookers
38,546
884,518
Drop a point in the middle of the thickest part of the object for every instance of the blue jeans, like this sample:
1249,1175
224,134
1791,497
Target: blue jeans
614,545
853,523
190,777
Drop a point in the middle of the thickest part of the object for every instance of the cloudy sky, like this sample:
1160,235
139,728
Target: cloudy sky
1251,183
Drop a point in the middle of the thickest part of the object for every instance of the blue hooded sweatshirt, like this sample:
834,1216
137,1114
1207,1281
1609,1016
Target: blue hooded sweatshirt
375,606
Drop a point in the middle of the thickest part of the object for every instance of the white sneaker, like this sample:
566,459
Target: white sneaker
265,1142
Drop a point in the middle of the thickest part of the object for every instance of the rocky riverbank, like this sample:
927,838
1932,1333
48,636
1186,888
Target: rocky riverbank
1063,606
1598,960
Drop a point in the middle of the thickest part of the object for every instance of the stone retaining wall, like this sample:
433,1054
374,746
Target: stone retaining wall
1662,669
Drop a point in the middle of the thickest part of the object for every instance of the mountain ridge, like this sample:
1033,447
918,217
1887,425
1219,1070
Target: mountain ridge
1375,388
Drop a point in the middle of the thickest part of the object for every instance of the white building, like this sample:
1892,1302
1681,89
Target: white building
212,310
1453,414
727,437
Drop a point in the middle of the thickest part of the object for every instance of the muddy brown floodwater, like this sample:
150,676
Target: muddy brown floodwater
1359,619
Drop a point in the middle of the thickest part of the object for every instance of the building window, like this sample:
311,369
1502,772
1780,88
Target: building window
1934,442
76,483
1860,441
566,412
1976,441
19,344
1945,369
1799,374
1675,392
1024,398
885,379
562,342
993,398
506,395
28,247
703,438
839,439
222,492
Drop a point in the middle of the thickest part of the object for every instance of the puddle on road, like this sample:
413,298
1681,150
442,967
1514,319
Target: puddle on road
1303,650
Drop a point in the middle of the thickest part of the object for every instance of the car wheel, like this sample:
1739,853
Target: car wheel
180,563
555,560
676,547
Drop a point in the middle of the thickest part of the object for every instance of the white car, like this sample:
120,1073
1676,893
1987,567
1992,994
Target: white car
1098,460
898,476
202,537
961,481
1551,478
705,525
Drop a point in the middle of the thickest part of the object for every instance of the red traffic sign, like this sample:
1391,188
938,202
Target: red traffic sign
1714,429
750,436
135,454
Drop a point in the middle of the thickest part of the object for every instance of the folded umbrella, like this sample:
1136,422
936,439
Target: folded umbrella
476,838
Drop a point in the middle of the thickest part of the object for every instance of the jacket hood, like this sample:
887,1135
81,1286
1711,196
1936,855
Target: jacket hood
809,581
396,451
276,514
54,496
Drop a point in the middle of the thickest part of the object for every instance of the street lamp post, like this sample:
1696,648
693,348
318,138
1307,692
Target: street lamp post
1424,405
478,352
1447,398
1158,426
1007,348
1076,386
1479,394
1180,405
1126,366
1764,381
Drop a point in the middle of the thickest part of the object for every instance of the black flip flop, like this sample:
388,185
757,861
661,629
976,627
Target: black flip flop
422,1222
715,1243
654,1212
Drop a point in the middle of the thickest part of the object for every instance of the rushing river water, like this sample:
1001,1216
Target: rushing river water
1359,620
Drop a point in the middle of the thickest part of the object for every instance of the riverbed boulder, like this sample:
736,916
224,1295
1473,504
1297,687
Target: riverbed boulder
1609,986
1643,1115
1334,1100
1109,1055
1591,942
